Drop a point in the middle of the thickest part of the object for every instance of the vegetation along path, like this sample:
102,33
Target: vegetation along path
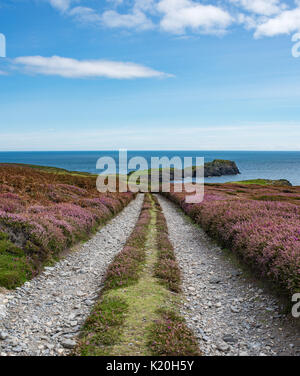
45,315
165,289
227,310
137,311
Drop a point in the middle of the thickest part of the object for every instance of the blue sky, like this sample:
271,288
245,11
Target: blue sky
150,74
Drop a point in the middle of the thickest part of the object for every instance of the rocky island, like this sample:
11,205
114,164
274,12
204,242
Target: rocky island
217,167
220,167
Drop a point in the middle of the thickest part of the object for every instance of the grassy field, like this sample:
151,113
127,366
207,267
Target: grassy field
281,182
52,170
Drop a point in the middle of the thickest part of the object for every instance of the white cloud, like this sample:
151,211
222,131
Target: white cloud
85,14
285,23
179,15
136,20
262,7
249,22
71,68
61,5
145,5
175,15
266,17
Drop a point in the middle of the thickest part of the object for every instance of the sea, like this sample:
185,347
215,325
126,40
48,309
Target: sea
252,164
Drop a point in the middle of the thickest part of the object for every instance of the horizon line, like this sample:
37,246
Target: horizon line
147,150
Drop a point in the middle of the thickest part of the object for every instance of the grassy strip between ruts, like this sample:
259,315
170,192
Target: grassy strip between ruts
169,335
136,313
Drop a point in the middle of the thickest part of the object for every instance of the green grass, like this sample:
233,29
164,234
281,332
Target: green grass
103,327
53,170
14,268
259,182
169,336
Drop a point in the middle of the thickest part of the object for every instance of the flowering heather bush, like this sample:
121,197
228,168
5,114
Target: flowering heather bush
111,203
166,268
43,213
264,233
169,336
11,203
126,266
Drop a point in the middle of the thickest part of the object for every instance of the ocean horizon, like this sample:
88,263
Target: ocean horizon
252,164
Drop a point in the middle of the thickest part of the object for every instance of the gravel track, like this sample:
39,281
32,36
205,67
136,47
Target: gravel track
229,313
44,316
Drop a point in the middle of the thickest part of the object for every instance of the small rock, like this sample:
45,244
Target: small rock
68,343
3,336
17,349
222,346
215,280
234,309
254,346
229,339
89,303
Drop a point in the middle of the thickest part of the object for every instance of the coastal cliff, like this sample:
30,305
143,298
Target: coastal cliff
220,167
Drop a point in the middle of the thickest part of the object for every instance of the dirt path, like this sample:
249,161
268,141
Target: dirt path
229,313
140,315
45,315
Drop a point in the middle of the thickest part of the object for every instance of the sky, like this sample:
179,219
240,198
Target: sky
150,74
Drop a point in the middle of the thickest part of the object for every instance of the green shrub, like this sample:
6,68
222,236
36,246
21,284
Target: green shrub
14,268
